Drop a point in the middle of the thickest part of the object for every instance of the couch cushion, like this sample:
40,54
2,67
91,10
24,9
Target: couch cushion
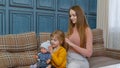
18,59
98,44
2,63
18,42
23,67
96,62
98,50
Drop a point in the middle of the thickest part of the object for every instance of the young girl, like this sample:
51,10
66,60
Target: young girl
57,50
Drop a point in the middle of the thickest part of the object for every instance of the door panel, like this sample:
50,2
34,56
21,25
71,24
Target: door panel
46,4
20,21
21,3
2,21
63,22
64,5
46,22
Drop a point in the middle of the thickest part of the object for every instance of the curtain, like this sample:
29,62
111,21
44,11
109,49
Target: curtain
114,24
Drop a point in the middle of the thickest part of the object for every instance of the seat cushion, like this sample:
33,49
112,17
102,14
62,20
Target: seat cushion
23,67
17,59
96,62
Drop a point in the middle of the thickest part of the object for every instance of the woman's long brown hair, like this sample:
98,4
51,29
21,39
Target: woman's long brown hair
81,25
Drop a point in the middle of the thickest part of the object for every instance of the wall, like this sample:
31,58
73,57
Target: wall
19,16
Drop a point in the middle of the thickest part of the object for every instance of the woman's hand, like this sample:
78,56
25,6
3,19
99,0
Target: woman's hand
69,42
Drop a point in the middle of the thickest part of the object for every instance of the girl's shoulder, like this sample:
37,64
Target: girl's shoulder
62,48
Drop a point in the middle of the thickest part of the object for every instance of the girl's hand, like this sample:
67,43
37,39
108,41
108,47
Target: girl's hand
50,49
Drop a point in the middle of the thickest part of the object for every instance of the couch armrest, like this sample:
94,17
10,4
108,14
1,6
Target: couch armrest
113,53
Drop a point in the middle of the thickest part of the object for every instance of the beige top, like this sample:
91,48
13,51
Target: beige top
74,38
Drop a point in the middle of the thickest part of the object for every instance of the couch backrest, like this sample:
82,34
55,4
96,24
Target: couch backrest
18,42
98,43
43,36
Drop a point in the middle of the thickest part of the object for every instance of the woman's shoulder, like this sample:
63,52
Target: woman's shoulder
88,29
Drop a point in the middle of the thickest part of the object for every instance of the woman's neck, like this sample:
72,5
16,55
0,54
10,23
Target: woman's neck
75,28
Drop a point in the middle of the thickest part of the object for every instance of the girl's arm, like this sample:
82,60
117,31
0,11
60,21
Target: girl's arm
58,60
87,52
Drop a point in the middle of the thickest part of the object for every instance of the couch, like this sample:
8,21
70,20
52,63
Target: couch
17,50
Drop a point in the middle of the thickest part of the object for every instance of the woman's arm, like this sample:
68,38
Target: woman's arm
87,52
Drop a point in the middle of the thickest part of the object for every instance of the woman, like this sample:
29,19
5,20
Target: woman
79,39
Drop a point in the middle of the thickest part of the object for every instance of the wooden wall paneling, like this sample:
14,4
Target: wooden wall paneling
20,21
62,22
2,21
45,22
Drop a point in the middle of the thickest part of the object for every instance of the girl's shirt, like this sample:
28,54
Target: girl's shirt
59,58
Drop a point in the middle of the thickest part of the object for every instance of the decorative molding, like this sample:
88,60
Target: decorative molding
64,5
83,4
62,20
46,4
21,3
20,21
92,7
2,2
92,21
45,22
1,21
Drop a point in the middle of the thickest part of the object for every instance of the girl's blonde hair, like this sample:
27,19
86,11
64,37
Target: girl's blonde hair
60,36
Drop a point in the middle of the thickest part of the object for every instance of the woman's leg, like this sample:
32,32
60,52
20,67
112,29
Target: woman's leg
73,65
78,64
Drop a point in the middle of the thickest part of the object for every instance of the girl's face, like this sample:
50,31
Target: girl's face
43,50
55,42
73,16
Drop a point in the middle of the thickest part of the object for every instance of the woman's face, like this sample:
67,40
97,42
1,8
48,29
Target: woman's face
73,16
